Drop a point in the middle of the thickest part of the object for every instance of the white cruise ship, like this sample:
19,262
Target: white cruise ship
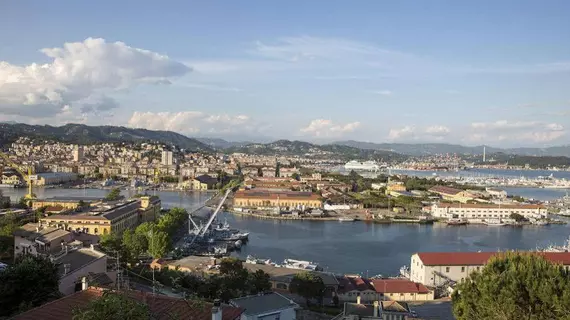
363,166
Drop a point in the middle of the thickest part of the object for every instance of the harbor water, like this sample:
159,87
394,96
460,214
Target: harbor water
354,247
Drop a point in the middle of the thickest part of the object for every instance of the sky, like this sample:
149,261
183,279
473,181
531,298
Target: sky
478,72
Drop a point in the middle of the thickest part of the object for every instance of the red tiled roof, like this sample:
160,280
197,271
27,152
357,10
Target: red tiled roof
398,286
284,195
480,258
162,307
490,206
444,190
353,283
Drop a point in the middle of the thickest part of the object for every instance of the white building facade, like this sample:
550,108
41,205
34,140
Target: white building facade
437,268
487,211
166,159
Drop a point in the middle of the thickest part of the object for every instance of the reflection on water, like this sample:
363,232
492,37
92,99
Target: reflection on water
378,248
351,247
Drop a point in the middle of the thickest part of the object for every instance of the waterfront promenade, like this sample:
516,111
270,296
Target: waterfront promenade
351,247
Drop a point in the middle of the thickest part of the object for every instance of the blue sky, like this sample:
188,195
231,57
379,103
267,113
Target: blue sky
484,72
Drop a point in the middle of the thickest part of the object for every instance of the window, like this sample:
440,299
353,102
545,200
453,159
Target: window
462,269
447,269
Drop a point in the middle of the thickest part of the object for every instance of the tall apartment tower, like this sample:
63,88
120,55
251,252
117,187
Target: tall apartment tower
166,158
77,153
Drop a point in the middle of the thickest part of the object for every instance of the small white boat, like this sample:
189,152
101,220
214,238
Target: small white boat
494,222
346,219
301,264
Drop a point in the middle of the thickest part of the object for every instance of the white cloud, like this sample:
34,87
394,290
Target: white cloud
438,130
192,122
78,71
402,133
383,92
504,130
324,128
297,49
412,133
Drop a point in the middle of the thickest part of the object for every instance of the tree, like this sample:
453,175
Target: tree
158,244
115,194
145,228
113,306
23,203
277,167
234,278
29,282
167,223
514,286
517,217
111,242
259,172
353,175
134,244
308,285
259,282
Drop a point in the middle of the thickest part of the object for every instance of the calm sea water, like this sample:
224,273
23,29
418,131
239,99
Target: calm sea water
371,249
354,247
491,173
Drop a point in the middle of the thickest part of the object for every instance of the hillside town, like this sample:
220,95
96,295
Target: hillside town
78,232
277,186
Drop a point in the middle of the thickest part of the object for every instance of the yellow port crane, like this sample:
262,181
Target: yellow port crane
30,195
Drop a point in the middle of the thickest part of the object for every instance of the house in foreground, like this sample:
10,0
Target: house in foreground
267,306
162,307
378,310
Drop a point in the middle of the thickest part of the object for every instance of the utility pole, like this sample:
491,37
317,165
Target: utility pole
153,281
119,272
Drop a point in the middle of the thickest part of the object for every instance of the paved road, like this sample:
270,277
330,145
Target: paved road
440,310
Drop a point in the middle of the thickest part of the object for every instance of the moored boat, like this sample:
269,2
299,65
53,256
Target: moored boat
301,264
346,219
456,222
494,223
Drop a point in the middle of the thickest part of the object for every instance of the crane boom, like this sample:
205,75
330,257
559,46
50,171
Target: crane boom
215,212
26,176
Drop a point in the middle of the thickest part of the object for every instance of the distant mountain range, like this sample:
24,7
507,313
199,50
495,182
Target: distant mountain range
84,134
442,148
287,147
221,143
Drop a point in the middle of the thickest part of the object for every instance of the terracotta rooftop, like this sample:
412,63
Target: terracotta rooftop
490,206
480,258
162,307
285,195
398,286
352,283
445,190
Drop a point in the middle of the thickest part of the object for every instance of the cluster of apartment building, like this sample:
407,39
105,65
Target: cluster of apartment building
56,162
68,237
